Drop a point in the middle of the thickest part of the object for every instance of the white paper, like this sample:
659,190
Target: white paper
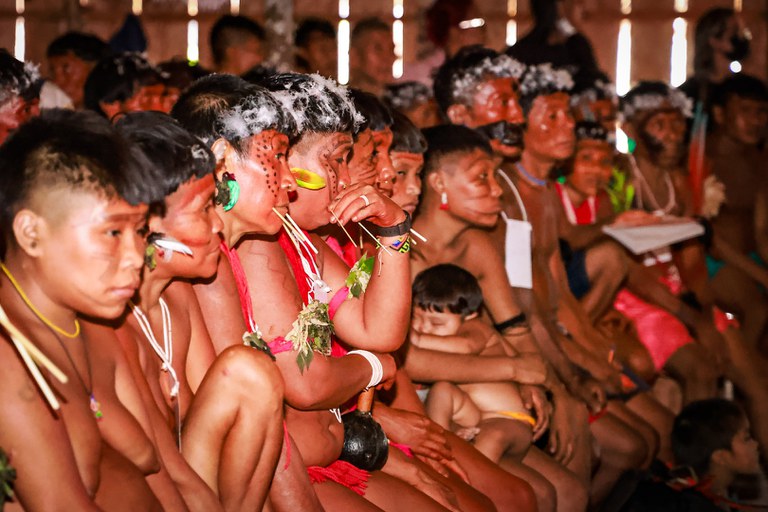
517,253
642,239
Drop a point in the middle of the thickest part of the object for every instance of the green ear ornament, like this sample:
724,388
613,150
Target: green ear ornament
227,191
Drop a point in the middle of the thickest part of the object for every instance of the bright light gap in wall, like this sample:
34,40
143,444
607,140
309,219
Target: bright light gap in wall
192,9
511,8
193,47
678,62
20,6
343,55
20,39
681,5
137,7
234,7
626,7
738,5
397,36
511,32
343,9
624,57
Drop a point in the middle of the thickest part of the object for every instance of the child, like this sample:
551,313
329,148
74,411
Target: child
446,301
712,444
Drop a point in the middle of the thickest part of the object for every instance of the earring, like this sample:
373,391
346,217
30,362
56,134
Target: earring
227,191
444,201
149,257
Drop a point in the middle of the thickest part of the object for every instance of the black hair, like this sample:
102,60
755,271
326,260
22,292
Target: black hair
79,150
406,137
702,428
591,130
177,156
180,73
316,103
741,85
208,104
448,139
376,114
311,26
118,78
230,31
259,74
447,288
17,79
86,47
366,25
711,25
465,59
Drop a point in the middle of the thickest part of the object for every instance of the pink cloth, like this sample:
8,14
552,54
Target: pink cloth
660,331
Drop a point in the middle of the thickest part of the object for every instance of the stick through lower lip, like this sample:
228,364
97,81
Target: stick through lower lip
301,234
342,227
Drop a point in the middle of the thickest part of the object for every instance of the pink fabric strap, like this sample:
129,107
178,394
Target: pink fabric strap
336,301
246,306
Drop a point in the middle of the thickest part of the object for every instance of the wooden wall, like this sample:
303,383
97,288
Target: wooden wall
165,25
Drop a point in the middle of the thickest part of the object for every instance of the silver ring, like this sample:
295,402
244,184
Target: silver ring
365,200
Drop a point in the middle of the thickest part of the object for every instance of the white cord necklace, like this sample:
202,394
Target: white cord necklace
671,203
164,353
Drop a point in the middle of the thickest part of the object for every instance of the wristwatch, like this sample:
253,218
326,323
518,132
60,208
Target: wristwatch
396,230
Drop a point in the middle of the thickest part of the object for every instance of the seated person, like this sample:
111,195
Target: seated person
404,413
446,300
238,44
181,379
712,444
414,100
315,43
71,57
124,83
19,89
736,159
585,209
371,55
73,225
407,154
459,195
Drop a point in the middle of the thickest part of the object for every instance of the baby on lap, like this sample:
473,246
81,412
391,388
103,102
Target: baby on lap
446,305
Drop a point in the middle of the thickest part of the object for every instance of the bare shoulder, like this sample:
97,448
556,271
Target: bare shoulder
480,254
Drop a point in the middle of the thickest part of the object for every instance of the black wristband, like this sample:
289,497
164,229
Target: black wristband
515,321
396,230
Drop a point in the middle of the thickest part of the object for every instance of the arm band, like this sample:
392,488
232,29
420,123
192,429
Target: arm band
377,371
515,321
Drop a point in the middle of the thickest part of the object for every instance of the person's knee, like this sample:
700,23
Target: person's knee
514,436
609,259
573,492
632,450
254,373
545,495
640,361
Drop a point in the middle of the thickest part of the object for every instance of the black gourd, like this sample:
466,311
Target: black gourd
365,444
